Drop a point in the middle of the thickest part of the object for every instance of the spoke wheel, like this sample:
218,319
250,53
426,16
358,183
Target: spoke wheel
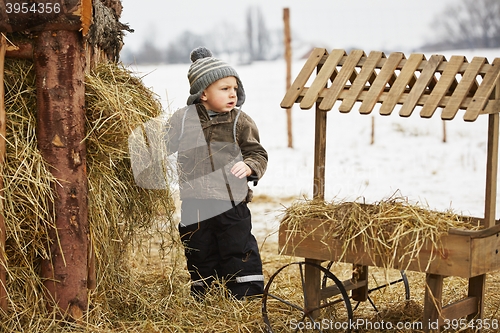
404,280
284,299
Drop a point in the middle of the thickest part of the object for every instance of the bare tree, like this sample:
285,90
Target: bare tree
255,42
178,51
257,34
469,24
149,54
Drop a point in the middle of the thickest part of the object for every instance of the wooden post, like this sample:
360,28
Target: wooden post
59,65
3,121
432,302
372,140
288,60
313,275
444,131
477,284
491,172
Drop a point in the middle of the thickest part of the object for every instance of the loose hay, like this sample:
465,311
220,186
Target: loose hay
383,227
142,283
122,215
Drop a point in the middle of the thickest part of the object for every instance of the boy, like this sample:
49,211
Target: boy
218,149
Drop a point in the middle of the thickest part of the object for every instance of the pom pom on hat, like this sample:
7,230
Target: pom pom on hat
205,70
199,53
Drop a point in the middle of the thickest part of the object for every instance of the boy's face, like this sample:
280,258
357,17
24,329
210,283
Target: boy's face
221,95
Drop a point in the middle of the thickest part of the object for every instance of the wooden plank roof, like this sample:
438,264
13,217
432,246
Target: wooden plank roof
395,80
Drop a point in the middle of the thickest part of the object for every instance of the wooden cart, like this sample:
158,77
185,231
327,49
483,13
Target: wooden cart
411,82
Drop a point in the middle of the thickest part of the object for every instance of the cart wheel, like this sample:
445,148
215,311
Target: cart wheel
283,303
404,280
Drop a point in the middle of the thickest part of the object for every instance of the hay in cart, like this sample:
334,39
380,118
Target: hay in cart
394,229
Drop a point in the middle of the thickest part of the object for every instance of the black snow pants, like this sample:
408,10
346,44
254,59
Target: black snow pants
220,246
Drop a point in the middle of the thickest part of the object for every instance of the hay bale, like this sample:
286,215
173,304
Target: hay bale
120,213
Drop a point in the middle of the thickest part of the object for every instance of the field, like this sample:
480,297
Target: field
143,285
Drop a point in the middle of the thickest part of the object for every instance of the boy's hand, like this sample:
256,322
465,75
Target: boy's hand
241,170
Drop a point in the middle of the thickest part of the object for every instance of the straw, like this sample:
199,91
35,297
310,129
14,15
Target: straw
142,280
387,228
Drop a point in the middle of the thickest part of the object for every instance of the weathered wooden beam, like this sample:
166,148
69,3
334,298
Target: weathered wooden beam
19,15
59,64
20,51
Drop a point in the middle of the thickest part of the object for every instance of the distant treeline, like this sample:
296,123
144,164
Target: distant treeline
255,43
466,24
463,24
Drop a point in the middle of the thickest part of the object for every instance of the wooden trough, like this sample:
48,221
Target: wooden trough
412,82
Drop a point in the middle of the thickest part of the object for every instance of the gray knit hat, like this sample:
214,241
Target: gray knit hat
205,70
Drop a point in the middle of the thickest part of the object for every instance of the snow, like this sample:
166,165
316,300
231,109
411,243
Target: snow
408,157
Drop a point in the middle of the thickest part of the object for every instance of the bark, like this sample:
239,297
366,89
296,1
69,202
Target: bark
59,65
98,21
106,33
70,15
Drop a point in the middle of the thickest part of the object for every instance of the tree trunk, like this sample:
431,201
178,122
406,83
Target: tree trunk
59,65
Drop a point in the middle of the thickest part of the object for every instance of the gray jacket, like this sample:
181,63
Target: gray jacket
207,148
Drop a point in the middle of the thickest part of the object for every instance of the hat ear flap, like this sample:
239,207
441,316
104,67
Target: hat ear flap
240,93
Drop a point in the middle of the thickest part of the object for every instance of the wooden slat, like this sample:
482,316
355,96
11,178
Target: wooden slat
448,77
339,83
483,92
468,79
483,253
421,84
404,78
460,308
386,74
348,285
366,73
293,93
321,80
492,107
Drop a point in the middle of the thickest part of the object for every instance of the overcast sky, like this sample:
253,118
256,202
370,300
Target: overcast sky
363,24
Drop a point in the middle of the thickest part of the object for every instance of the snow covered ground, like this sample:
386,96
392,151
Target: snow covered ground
408,157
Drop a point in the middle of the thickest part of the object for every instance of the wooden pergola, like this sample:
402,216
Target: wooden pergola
64,40
409,82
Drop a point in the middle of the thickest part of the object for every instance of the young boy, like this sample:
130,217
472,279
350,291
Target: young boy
218,150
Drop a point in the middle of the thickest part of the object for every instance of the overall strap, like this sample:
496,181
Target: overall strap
183,121
234,125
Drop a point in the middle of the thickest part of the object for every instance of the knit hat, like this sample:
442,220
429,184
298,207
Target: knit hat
205,70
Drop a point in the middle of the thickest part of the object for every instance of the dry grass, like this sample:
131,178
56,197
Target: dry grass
122,216
143,285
